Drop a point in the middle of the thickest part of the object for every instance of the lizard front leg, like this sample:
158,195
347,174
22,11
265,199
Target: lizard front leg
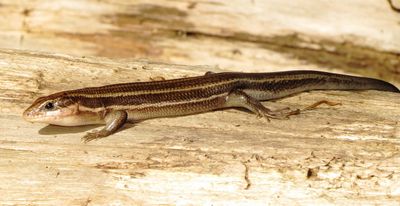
114,120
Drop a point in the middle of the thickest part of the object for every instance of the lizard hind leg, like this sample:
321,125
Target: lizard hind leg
114,121
239,98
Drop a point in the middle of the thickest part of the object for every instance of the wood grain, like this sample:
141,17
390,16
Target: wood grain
360,36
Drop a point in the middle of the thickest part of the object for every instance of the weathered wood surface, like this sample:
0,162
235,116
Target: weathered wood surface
347,154
340,155
360,36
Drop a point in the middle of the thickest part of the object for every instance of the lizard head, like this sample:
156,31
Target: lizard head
56,109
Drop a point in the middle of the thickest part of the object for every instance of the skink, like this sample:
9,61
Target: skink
113,105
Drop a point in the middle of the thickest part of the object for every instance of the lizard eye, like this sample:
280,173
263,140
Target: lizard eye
49,106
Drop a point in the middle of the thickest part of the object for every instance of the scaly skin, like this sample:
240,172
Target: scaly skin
114,104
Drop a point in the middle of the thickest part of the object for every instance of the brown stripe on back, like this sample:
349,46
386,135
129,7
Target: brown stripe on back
153,98
199,81
186,89
166,85
187,95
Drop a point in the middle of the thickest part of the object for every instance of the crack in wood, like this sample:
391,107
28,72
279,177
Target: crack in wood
246,175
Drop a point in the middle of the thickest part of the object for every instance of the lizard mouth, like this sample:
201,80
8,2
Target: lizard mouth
42,117
31,116
62,117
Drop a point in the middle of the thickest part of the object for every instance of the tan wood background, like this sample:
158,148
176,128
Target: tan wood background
342,155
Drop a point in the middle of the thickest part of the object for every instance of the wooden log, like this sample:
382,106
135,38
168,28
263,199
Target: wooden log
361,36
346,154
